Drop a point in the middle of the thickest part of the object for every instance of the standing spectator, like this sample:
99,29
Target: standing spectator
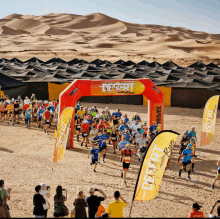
212,209
5,195
195,211
115,208
46,194
80,205
93,201
28,117
38,201
59,205
100,212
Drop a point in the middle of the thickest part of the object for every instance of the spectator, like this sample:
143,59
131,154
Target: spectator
59,205
115,208
28,117
93,201
143,150
5,195
45,192
80,205
195,211
38,201
212,209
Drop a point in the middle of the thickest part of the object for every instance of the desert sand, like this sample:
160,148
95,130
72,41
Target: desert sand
26,159
97,35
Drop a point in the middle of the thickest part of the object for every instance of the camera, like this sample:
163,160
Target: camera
218,201
48,187
96,190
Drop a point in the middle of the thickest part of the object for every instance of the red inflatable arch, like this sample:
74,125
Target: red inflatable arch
145,87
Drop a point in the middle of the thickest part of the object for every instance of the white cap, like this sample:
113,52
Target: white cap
13,99
145,122
43,186
86,121
91,190
106,108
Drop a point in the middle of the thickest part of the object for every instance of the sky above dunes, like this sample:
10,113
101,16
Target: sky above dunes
199,15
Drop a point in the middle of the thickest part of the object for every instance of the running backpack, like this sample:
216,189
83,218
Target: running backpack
124,154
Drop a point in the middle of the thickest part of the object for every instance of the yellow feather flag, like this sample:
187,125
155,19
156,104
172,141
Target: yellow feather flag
209,120
55,134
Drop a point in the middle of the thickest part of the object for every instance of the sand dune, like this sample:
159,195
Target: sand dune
94,35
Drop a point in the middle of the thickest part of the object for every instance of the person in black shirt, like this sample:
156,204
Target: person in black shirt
93,201
143,150
38,201
16,112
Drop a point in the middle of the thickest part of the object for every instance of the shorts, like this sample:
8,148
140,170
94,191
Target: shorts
39,119
194,155
104,147
28,120
115,122
186,163
47,122
182,148
78,129
115,140
16,112
125,165
101,149
5,112
94,161
85,135
52,116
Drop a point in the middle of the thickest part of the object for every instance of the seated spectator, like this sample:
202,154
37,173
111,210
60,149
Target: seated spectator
212,209
115,208
80,205
38,201
59,205
93,201
195,211
5,195
45,192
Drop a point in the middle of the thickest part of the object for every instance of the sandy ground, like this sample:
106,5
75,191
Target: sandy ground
99,36
26,159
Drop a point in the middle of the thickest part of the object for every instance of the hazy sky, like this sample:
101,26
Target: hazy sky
201,15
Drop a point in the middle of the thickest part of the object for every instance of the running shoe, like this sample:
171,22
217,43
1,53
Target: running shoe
213,187
81,144
8,123
91,163
192,171
189,178
121,174
94,171
86,146
103,161
178,162
77,140
125,183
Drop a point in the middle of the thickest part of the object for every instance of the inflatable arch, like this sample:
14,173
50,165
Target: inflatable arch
145,87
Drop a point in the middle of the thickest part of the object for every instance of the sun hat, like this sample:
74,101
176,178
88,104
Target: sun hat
145,122
91,190
189,145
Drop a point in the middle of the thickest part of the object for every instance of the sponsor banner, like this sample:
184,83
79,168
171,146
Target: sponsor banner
157,112
121,87
62,134
209,120
153,166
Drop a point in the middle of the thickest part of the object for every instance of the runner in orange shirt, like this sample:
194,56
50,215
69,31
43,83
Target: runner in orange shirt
10,109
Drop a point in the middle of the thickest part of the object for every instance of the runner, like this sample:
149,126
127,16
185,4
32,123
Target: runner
137,118
136,137
10,109
105,137
95,155
81,113
93,132
98,138
114,138
46,117
28,117
218,175
116,116
35,109
186,160
192,134
184,142
85,132
153,128
141,143
192,142
126,157
101,126
16,112
78,127
40,113
127,135
2,109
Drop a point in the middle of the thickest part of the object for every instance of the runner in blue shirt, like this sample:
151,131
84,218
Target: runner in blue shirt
123,127
127,135
28,117
95,155
218,175
40,113
186,160
192,134
98,138
153,128
105,137
123,143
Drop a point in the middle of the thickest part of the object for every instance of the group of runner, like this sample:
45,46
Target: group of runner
104,128
29,109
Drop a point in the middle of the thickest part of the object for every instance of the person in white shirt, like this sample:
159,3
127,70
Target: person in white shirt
93,132
46,194
134,128
26,100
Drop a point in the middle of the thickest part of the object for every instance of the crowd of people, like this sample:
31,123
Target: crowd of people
97,131
31,110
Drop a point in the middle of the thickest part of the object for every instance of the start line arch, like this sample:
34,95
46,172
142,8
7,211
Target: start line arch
80,88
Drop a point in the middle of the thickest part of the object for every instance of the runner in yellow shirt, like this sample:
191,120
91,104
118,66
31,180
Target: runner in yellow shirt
115,208
81,113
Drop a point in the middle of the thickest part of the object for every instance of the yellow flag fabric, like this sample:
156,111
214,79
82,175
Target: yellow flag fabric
209,120
55,134
153,166
62,134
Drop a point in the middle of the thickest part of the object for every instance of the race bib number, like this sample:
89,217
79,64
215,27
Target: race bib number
85,134
41,114
114,138
127,159
78,126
